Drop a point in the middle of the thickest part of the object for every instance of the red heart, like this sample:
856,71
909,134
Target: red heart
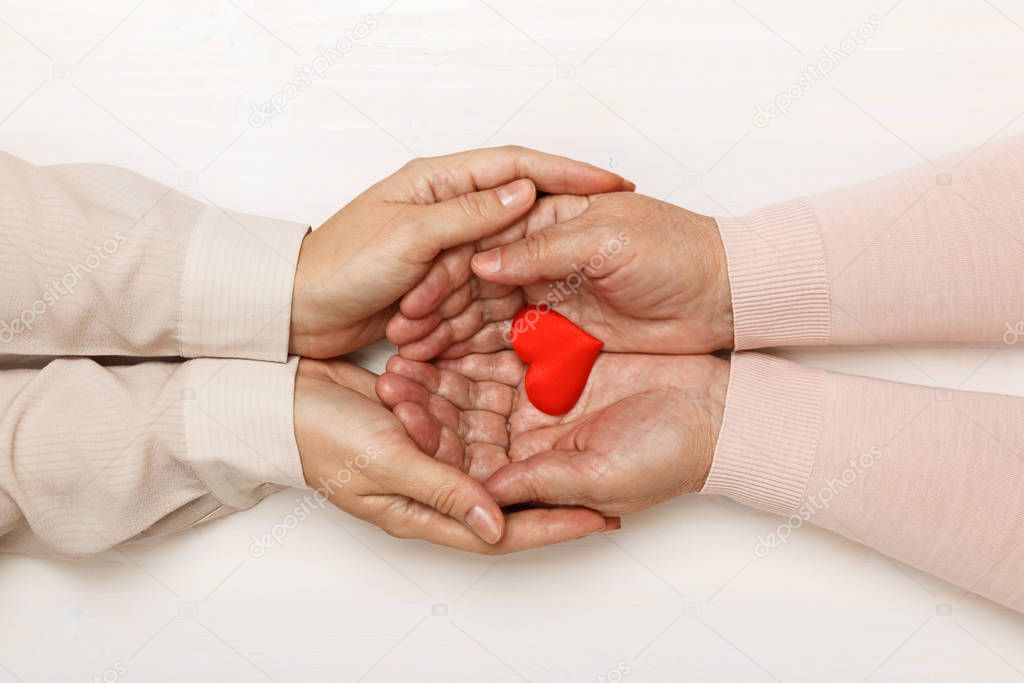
560,356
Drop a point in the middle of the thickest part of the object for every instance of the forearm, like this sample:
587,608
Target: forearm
93,456
933,253
96,260
931,477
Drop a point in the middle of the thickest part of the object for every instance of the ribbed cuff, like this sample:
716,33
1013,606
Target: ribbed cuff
236,290
239,427
780,292
770,433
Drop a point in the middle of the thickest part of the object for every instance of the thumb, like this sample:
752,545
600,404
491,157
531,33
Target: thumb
449,491
549,254
475,215
547,477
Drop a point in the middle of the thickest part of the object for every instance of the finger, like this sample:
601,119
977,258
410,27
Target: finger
484,459
483,426
417,383
478,315
451,269
449,272
399,387
453,266
422,427
550,254
476,290
523,530
451,275
547,212
472,216
492,338
535,435
464,393
431,435
553,477
504,367
493,166
446,489
403,330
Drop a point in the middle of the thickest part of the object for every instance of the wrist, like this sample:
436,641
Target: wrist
713,411
303,288
720,289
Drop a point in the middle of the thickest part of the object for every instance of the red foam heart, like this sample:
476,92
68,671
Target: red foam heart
560,356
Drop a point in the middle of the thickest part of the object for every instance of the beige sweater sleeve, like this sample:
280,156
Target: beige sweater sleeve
97,260
931,477
93,456
931,254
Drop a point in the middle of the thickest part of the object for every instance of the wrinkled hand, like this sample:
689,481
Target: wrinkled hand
357,454
643,431
642,275
353,269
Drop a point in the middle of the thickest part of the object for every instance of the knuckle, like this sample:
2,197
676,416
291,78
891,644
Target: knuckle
444,498
414,165
536,246
474,205
534,490
395,519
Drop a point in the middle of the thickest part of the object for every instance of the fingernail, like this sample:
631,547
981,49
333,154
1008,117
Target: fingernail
485,526
513,193
612,524
488,261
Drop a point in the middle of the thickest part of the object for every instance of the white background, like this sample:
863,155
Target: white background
663,92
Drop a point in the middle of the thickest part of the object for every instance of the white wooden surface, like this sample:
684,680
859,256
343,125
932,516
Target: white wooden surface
662,91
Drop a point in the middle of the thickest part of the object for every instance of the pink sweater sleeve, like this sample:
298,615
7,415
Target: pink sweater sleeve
931,477
934,253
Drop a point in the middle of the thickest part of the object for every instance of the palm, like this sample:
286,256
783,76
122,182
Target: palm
640,433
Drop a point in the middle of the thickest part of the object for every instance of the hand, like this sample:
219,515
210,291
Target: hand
356,453
353,269
643,431
642,275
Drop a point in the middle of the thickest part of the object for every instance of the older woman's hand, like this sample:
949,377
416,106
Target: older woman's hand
643,431
642,275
